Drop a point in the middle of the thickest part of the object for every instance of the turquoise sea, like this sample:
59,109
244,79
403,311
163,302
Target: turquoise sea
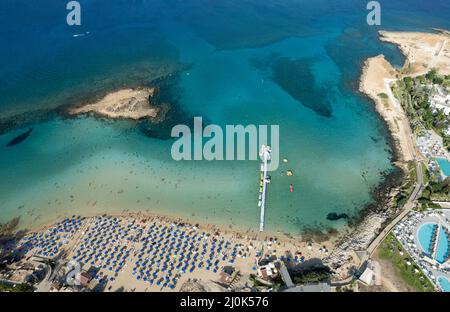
293,63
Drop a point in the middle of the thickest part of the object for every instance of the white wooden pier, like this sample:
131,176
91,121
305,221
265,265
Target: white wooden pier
265,156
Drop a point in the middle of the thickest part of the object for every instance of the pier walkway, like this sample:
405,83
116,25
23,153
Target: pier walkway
265,156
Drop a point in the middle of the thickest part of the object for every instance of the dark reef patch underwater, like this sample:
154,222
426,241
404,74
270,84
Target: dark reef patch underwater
167,98
20,138
333,216
296,78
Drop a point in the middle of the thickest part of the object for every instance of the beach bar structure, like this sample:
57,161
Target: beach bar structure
264,153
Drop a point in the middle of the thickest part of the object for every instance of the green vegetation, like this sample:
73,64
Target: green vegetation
389,250
413,94
407,187
314,275
344,289
439,190
17,288
434,190
383,95
434,77
447,81
426,174
275,284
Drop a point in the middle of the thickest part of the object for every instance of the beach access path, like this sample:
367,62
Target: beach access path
410,204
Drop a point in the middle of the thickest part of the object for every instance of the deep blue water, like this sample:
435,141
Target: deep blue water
292,63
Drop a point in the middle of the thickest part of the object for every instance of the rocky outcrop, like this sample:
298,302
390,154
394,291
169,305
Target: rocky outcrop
126,103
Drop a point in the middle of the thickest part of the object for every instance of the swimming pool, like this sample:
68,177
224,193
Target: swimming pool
425,234
444,164
444,284
442,246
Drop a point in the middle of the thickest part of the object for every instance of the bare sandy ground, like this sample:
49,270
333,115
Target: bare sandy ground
423,51
377,76
125,103
390,277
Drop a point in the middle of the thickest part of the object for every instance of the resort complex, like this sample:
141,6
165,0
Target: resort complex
425,236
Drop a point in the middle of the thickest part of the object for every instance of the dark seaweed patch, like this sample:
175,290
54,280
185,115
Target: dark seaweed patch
333,216
20,138
168,99
296,78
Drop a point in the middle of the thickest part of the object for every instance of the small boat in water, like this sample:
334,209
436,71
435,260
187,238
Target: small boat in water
82,34
291,188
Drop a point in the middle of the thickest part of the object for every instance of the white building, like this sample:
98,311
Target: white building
440,99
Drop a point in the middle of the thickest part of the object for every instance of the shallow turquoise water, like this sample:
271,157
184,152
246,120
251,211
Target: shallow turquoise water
290,63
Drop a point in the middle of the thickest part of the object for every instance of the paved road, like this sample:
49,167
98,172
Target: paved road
406,209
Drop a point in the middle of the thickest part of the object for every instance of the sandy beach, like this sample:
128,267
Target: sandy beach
130,238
